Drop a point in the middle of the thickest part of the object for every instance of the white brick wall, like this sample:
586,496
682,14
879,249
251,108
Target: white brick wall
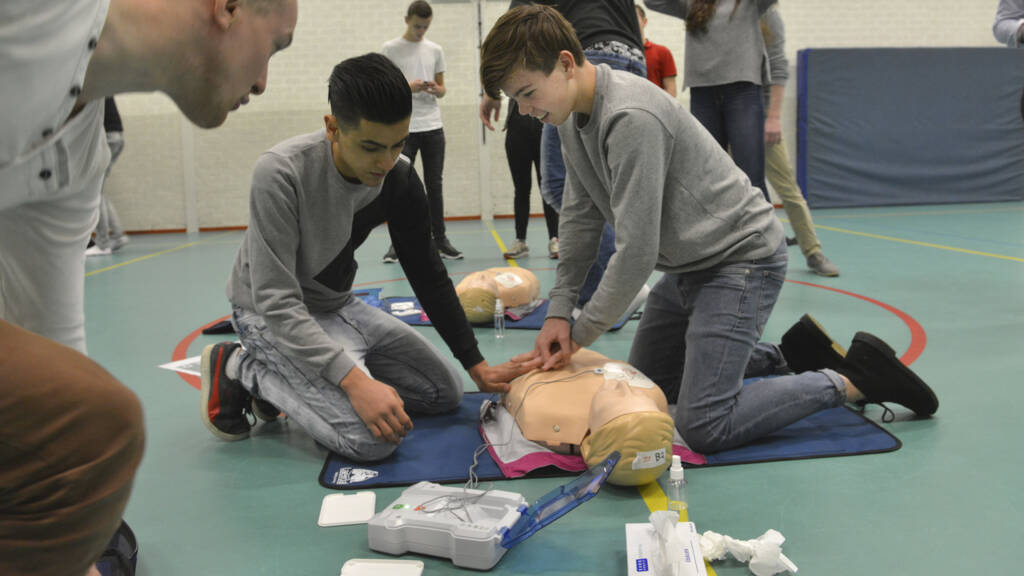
147,185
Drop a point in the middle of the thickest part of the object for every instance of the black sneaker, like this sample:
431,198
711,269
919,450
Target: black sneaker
264,410
390,257
225,403
873,368
807,347
791,241
444,246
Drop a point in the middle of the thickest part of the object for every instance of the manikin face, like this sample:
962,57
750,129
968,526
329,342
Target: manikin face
367,152
548,97
234,63
615,398
416,27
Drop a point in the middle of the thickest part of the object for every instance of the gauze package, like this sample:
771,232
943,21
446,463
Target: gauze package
763,554
664,547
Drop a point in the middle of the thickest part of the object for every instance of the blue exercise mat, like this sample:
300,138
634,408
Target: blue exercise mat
440,449
532,321
834,432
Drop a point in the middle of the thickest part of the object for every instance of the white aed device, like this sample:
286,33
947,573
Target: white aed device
474,528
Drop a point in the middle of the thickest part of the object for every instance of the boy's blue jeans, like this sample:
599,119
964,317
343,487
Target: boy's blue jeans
698,339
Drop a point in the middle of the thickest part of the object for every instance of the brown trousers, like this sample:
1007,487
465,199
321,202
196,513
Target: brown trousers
71,438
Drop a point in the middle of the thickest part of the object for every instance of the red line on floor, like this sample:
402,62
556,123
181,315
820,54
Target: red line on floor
918,338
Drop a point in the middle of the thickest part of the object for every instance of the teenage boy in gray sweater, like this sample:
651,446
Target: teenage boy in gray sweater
343,370
635,158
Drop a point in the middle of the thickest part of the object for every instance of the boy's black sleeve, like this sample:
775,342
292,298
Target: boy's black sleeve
405,206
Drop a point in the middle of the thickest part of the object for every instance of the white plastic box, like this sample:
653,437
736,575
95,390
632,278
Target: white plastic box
470,536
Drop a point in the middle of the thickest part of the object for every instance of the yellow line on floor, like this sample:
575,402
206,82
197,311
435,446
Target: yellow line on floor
140,259
155,254
656,500
501,245
925,244
840,216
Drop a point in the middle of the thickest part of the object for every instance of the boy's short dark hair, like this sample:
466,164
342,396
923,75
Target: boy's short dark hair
419,8
528,37
371,87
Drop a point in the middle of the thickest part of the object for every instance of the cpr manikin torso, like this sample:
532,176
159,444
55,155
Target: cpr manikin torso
596,401
478,291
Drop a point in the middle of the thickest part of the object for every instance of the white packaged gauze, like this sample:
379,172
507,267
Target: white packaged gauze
664,547
764,553
670,545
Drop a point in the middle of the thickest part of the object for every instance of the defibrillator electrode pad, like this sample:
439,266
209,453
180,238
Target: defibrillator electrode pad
474,528
626,373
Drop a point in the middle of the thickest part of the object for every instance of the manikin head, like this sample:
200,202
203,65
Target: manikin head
532,54
596,406
624,418
479,291
369,121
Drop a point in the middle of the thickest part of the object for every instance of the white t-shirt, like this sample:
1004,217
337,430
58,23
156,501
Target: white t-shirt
421,60
45,47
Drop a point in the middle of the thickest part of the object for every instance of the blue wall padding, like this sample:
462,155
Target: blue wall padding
887,126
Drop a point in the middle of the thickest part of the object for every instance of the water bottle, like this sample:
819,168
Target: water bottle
677,489
499,319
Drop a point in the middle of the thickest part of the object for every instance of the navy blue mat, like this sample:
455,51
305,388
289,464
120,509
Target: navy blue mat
440,449
532,321
835,432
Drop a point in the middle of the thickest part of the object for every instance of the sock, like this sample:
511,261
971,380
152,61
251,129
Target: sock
234,363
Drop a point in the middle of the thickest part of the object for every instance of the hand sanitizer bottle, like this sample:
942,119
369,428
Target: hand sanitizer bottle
677,488
499,319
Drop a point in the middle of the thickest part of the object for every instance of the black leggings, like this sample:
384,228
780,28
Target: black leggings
522,147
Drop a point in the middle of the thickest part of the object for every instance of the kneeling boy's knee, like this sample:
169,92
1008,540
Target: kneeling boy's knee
703,438
368,450
449,396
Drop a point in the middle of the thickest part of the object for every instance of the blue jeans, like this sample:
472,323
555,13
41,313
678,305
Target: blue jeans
380,344
734,115
552,168
698,339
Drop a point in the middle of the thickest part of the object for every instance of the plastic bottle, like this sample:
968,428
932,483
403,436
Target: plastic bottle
499,319
677,488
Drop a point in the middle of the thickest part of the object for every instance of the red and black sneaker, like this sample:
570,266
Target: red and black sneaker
225,403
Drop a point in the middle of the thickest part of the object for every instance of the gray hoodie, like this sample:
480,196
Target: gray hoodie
675,198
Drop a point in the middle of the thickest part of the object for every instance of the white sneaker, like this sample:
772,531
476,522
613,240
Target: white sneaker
519,250
97,251
553,248
119,242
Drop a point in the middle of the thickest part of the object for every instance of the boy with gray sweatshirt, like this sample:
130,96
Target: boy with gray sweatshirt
635,158
344,371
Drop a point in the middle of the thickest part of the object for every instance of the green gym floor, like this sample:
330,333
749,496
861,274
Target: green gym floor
948,502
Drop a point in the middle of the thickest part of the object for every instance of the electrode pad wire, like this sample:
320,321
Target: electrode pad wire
458,506
473,480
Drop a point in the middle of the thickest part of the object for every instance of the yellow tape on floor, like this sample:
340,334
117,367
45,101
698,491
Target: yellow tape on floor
501,245
656,500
